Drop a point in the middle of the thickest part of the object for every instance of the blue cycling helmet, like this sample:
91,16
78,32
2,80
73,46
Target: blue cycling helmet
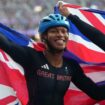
51,21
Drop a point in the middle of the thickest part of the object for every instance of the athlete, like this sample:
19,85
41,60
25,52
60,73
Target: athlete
48,73
89,31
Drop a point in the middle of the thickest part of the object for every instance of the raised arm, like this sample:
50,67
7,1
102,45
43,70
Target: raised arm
89,31
18,53
86,84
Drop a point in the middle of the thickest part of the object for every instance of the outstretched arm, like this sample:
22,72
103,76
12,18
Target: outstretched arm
86,84
89,31
18,53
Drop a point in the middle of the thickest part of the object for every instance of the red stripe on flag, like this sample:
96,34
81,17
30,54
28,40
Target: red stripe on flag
90,69
7,100
3,75
72,6
84,53
39,46
74,97
14,79
94,20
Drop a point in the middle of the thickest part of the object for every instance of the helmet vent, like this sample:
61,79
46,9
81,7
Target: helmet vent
56,15
61,17
53,20
58,19
46,20
52,17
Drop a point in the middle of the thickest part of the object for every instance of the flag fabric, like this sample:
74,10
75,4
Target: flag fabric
13,89
12,82
86,51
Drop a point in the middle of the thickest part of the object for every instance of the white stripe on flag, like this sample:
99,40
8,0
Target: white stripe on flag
100,18
6,91
11,63
80,15
97,76
87,44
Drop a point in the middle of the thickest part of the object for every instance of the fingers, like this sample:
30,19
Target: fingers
63,10
60,5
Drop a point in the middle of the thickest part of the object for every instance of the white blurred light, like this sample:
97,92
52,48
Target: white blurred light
38,8
94,6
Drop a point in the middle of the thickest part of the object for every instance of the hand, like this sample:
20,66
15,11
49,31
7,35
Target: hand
63,10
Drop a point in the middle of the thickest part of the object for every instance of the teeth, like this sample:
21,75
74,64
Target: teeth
60,41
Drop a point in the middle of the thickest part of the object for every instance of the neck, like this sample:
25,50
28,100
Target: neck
55,59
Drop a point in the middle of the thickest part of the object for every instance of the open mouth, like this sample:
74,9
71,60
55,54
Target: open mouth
60,41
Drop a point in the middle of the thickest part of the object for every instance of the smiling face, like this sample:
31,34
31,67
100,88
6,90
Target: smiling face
57,38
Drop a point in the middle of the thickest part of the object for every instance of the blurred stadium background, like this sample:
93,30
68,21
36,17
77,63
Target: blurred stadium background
24,15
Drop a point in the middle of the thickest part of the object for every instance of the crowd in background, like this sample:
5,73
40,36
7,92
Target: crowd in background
24,15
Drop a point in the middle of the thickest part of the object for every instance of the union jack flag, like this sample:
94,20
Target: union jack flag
13,89
85,52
